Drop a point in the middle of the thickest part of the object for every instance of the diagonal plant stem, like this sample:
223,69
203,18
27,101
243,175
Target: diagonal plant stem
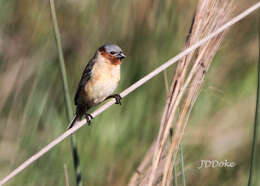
66,91
257,113
130,89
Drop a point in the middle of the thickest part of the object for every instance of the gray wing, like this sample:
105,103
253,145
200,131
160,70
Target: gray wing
87,73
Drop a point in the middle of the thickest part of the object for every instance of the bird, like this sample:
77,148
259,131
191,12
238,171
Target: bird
99,79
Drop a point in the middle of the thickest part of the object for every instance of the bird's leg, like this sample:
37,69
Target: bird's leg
89,117
117,98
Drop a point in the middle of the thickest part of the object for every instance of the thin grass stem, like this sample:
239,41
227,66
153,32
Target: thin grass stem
66,92
182,166
66,175
165,77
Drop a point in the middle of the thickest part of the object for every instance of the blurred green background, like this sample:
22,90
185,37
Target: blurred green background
150,32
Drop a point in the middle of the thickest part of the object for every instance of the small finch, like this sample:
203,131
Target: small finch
98,81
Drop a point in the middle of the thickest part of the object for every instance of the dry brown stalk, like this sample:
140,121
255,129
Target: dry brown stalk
185,88
66,175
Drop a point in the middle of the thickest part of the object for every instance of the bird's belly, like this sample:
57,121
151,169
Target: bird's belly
101,90
100,87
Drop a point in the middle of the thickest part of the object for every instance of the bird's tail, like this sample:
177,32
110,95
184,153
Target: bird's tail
73,121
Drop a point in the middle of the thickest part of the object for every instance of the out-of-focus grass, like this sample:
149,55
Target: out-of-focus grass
33,110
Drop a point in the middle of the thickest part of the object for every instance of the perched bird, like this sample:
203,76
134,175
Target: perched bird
98,81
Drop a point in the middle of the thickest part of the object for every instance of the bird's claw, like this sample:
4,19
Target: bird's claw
117,98
89,117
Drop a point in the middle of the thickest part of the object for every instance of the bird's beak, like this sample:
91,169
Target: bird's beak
121,55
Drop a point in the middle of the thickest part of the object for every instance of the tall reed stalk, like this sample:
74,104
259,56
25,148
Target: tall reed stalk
184,90
66,92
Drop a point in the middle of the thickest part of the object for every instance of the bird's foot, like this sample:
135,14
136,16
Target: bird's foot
117,98
89,117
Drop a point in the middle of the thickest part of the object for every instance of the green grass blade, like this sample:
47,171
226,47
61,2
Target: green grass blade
182,167
67,94
256,123
61,60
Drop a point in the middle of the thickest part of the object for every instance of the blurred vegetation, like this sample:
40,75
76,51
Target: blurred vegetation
150,32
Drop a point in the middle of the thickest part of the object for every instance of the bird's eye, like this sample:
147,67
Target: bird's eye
112,52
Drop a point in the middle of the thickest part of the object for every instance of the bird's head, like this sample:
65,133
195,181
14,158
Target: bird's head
112,52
